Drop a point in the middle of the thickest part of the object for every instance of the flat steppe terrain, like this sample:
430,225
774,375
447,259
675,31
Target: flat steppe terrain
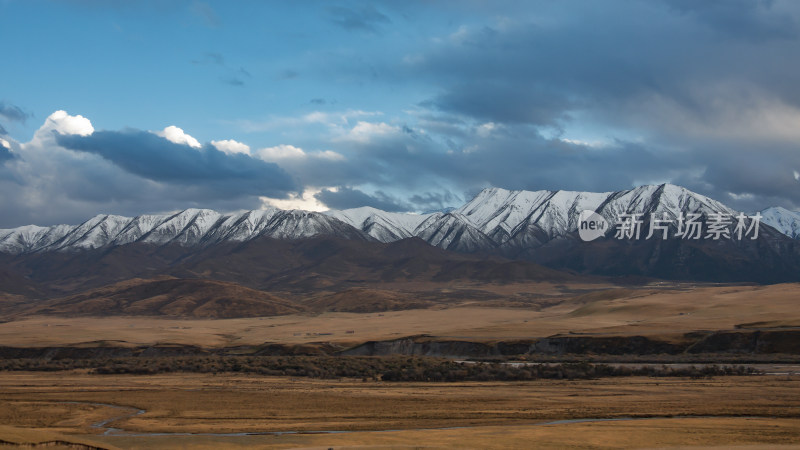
660,310
214,411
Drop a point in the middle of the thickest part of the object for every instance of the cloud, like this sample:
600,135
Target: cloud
13,113
288,152
571,95
161,159
178,136
60,122
231,146
63,123
364,132
280,152
545,73
306,201
345,198
5,150
535,95
333,120
757,20
123,172
435,201
592,96
2,130
482,100
486,129
365,19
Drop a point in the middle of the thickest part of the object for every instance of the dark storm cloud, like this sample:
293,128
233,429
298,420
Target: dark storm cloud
699,86
366,18
435,201
749,19
5,154
344,198
46,184
155,158
480,100
538,163
602,57
742,175
519,158
13,113
694,93
749,178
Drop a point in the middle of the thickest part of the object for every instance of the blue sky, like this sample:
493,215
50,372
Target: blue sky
411,105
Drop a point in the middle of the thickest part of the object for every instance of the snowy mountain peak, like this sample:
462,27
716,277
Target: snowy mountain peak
30,237
661,200
95,232
454,231
383,226
186,227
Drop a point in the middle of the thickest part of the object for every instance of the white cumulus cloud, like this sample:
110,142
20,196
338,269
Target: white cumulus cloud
62,123
230,146
65,124
280,152
178,136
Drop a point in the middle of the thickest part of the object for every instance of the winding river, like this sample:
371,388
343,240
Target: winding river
127,412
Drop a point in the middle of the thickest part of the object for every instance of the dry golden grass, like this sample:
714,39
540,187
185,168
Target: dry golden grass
740,410
729,434
652,311
15,437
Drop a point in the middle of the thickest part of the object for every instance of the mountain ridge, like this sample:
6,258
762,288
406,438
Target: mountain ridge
537,226
495,218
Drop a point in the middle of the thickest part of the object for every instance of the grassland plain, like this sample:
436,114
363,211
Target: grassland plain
179,408
187,409
663,311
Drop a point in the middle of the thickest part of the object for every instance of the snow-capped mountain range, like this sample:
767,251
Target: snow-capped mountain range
494,219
